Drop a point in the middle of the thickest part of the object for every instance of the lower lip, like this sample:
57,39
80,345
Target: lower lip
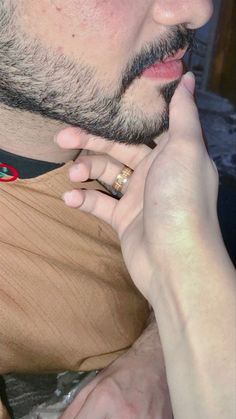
170,70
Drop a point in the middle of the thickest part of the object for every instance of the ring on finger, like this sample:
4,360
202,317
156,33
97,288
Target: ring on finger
122,178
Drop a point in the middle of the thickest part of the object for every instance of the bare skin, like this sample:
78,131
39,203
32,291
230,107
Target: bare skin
174,251
66,28
134,386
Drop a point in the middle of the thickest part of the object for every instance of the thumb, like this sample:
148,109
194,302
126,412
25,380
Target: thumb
184,118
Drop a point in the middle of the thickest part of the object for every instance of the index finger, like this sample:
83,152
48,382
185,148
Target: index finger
130,155
184,117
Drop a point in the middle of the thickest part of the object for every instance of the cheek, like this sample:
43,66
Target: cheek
101,15
86,28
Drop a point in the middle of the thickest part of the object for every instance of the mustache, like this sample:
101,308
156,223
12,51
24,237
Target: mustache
178,38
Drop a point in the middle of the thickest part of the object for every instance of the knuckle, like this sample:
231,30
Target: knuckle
182,145
106,168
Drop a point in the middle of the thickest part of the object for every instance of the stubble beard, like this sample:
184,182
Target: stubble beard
39,80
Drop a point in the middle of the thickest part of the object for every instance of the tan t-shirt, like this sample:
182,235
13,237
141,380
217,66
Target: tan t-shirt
66,299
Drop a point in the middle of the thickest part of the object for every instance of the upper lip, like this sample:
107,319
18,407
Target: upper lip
176,56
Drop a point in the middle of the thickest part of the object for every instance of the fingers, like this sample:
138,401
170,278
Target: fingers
130,155
100,167
92,202
184,118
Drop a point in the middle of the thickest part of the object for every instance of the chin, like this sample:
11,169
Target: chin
147,98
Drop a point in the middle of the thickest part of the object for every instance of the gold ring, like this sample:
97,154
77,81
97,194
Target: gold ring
122,178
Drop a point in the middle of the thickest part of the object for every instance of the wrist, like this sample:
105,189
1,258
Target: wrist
202,258
188,244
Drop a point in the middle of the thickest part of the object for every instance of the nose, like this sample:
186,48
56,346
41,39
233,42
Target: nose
192,13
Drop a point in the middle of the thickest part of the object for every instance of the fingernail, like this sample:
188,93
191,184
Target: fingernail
67,138
73,170
189,82
58,136
67,197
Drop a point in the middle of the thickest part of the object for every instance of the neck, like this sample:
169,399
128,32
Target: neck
30,135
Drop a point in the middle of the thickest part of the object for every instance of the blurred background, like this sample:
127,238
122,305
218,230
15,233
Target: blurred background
213,59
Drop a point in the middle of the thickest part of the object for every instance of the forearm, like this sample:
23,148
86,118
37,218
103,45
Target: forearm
195,311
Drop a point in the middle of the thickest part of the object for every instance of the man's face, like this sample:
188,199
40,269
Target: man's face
83,61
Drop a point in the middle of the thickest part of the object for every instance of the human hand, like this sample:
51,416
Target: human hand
132,387
171,197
